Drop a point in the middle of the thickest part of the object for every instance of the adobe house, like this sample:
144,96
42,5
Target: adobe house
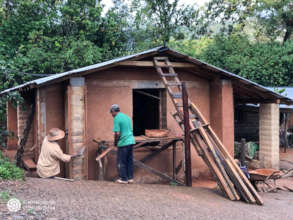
79,101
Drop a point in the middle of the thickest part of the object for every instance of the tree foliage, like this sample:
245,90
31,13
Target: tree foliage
267,63
163,19
52,36
275,17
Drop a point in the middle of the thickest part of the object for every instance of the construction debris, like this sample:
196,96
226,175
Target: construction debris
231,180
271,180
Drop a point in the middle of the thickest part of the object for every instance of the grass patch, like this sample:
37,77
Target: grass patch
8,170
5,196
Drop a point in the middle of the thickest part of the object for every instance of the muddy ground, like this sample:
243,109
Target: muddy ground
56,199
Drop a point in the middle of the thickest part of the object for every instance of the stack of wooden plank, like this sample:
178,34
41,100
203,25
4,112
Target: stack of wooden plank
230,178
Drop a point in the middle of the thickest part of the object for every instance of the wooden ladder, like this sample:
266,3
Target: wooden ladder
230,178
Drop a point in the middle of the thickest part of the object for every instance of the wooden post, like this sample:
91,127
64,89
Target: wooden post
285,131
174,160
188,178
242,155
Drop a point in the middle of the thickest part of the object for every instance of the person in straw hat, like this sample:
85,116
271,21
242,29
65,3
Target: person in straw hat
48,165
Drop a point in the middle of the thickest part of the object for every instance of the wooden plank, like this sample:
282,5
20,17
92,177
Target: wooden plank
151,64
259,200
225,152
218,162
228,174
102,155
217,172
29,164
64,179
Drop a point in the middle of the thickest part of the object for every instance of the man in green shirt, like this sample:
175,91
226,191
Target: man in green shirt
124,140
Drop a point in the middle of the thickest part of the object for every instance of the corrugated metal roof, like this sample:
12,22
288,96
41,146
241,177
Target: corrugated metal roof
231,75
288,92
44,80
47,79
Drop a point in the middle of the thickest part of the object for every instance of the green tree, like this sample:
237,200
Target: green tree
52,36
274,16
267,63
162,19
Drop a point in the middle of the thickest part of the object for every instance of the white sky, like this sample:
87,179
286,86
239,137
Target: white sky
108,3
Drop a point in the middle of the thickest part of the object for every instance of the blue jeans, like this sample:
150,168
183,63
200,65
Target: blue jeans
125,162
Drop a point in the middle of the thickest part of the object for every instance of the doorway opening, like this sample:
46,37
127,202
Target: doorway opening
149,110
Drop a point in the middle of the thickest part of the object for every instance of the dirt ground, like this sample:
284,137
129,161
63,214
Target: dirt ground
57,199
286,159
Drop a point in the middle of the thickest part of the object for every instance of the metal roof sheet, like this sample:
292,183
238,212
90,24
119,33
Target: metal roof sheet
44,80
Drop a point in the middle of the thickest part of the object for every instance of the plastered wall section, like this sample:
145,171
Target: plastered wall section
222,112
11,126
115,86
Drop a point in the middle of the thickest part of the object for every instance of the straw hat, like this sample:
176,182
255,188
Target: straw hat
55,134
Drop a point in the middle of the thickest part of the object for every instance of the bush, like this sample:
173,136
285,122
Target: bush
8,170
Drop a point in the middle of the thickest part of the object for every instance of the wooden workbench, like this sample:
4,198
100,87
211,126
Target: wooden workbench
156,146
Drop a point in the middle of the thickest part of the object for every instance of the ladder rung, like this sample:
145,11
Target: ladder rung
176,95
181,105
190,117
195,129
173,84
168,74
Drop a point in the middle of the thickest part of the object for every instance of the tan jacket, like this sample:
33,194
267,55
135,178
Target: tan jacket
48,163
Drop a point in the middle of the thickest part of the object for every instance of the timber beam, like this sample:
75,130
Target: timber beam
151,64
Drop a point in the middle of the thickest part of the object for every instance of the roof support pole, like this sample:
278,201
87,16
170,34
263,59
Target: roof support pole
269,114
76,125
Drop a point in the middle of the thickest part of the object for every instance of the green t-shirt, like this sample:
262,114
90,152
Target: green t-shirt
122,124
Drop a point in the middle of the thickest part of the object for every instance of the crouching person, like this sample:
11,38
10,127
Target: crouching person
48,165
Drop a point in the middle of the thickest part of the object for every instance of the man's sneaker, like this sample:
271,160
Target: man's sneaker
130,181
121,181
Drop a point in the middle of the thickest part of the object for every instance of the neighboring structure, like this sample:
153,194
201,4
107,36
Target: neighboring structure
247,120
79,102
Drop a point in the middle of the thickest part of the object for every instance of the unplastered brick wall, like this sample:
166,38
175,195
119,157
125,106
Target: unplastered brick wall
23,112
269,135
77,122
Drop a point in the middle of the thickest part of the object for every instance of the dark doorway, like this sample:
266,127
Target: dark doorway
146,110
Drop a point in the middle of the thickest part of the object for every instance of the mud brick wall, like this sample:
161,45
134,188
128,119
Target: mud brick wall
77,125
222,112
23,112
269,135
